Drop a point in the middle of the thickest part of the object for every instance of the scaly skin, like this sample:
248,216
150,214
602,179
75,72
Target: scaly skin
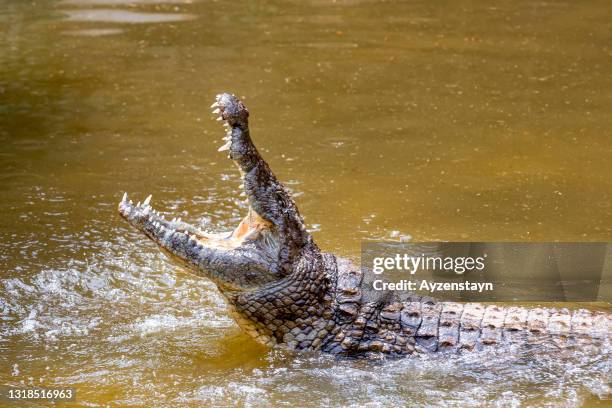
282,289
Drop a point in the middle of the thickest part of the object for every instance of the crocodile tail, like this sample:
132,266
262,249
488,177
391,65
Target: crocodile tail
452,325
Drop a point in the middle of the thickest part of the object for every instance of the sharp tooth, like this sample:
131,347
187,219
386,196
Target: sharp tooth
178,219
242,194
147,200
214,105
219,119
226,138
241,186
124,199
138,205
217,111
225,146
131,203
174,219
147,210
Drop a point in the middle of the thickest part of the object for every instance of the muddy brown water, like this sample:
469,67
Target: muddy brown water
439,121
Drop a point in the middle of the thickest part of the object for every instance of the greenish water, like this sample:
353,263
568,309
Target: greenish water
438,120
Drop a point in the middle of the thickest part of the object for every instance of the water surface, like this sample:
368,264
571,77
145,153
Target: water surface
448,121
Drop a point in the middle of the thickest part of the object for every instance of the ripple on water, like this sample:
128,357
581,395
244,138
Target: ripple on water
499,378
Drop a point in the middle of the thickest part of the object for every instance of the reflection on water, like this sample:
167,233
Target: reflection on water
121,2
464,122
93,32
122,16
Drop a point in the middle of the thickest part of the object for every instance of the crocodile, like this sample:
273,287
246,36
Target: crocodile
283,290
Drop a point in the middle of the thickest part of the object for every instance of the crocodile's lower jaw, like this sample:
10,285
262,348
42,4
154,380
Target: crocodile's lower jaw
170,234
167,233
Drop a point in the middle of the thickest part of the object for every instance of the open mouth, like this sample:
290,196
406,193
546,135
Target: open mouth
231,112
253,242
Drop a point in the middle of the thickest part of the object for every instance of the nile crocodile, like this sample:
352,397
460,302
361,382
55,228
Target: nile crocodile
281,289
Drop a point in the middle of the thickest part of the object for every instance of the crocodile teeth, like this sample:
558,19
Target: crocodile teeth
147,200
147,210
217,111
214,105
138,205
124,199
225,146
219,119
